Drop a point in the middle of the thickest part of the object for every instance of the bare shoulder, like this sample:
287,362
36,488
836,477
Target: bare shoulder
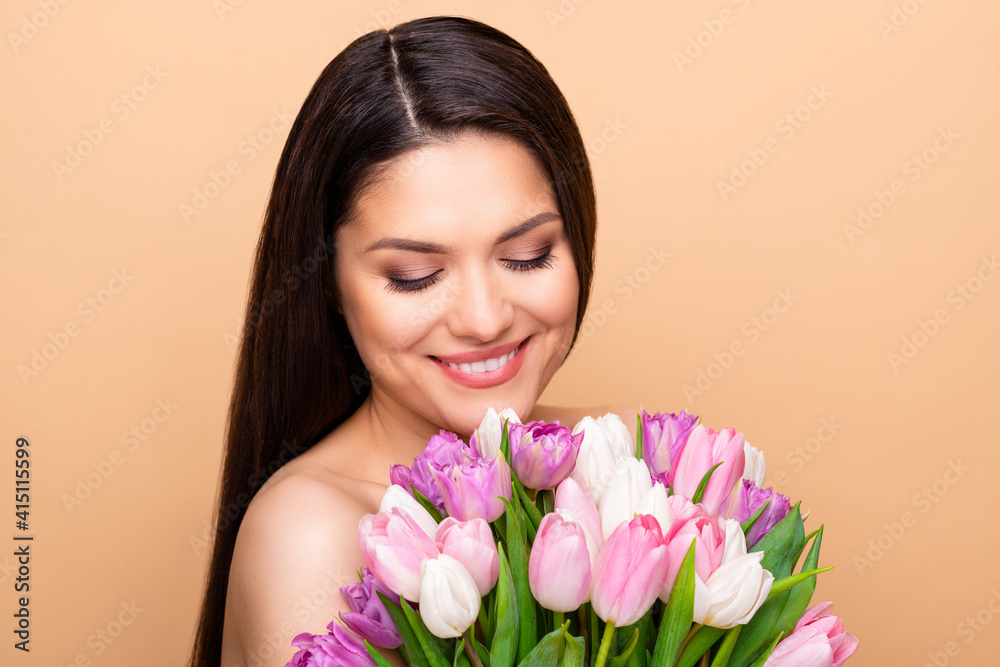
297,545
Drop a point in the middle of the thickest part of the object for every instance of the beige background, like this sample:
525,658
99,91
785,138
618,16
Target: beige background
857,434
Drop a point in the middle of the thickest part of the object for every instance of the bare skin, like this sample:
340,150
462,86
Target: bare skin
288,567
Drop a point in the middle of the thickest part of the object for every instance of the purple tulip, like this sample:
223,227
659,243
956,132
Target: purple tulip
442,450
542,454
338,648
470,490
369,617
663,437
747,500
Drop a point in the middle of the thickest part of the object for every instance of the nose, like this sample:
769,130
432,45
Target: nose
481,307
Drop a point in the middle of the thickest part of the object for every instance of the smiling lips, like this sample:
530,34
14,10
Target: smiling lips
486,368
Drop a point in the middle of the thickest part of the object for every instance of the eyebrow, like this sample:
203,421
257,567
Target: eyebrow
429,248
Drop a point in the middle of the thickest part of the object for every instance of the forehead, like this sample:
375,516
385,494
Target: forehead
472,186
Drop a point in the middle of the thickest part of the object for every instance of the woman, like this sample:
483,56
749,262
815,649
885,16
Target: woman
426,254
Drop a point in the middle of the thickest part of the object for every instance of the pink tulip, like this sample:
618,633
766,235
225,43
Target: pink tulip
630,571
574,501
705,448
471,544
708,532
819,640
559,572
394,546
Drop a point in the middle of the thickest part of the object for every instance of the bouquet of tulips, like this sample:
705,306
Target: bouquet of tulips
543,546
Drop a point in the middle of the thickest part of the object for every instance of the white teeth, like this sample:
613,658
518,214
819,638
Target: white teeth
485,366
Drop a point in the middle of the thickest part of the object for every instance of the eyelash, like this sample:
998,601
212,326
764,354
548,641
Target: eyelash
543,261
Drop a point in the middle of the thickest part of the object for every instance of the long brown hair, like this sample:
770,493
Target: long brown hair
298,375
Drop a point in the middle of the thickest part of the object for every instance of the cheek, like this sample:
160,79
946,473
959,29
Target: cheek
554,300
383,324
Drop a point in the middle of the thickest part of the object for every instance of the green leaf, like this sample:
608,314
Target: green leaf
484,655
748,524
428,505
766,653
505,638
532,512
546,652
726,647
428,642
573,654
700,644
781,546
800,593
411,646
460,659
639,657
622,658
505,441
678,614
593,632
703,483
783,584
376,656
519,573
638,435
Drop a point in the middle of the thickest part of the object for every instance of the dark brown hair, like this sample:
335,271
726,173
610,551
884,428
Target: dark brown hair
298,374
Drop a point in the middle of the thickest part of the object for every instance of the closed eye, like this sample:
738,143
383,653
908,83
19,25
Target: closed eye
543,261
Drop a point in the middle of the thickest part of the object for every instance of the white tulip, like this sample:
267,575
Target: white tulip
736,590
396,496
657,503
754,466
490,431
606,441
449,599
736,542
629,484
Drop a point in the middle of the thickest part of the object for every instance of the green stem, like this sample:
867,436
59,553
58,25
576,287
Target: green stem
602,653
470,650
557,619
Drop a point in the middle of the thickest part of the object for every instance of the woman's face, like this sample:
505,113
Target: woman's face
457,283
